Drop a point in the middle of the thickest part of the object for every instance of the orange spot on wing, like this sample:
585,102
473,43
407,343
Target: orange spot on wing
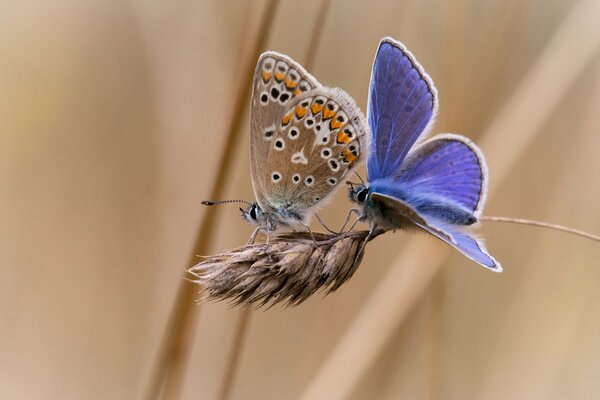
335,124
266,75
327,113
290,83
349,156
297,92
316,108
286,118
343,138
279,76
301,111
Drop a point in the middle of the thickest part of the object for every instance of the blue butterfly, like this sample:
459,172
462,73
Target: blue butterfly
438,185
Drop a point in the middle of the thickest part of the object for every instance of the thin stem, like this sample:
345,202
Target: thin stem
239,335
315,38
235,354
548,225
166,380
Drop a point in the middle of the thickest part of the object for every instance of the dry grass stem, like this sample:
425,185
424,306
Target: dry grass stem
289,269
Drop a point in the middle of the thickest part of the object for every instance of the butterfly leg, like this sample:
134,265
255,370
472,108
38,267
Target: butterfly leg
373,232
254,234
352,210
323,224
268,229
309,231
362,247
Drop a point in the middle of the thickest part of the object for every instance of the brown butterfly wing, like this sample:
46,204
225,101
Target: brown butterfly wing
278,80
318,141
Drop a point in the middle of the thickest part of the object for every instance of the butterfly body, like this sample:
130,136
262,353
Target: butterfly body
438,185
305,138
382,214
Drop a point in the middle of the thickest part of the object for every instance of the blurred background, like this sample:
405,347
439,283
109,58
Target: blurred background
114,118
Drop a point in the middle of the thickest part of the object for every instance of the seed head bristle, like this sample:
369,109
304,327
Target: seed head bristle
288,270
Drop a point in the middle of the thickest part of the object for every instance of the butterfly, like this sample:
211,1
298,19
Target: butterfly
438,185
305,138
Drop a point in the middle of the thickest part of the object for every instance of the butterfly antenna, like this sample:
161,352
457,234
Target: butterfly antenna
217,203
547,225
359,177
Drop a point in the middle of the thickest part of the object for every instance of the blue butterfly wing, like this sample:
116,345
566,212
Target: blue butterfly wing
441,186
463,242
394,209
402,103
445,177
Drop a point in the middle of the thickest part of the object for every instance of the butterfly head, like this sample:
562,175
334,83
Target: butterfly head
358,193
253,214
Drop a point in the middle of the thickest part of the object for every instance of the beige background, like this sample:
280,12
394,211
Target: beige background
113,115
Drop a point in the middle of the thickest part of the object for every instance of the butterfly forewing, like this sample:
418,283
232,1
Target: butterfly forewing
317,141
278,80
402,104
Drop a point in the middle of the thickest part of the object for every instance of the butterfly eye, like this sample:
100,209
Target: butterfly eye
252,212
309,181
275,177
279,144
296,179
361,196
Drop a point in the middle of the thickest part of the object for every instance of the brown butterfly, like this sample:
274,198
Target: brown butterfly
305,139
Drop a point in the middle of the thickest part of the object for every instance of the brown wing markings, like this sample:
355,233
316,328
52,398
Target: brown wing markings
324,108
271,94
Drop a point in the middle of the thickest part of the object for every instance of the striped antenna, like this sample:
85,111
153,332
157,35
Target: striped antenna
216,203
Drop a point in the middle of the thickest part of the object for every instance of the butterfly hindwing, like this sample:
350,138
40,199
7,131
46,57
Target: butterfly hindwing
277,81
402,104
451,172
398,213
463,242
318,140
